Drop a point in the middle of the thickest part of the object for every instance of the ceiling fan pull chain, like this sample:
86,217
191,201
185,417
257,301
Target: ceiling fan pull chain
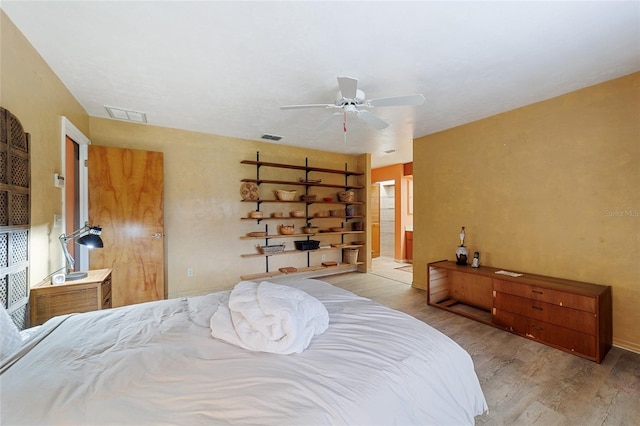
344,123
344,127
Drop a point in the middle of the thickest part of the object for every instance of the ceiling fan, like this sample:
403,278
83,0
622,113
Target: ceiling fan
350,100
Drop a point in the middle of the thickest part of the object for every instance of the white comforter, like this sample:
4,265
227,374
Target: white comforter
269,317
156,363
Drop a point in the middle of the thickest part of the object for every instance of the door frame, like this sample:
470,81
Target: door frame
71,131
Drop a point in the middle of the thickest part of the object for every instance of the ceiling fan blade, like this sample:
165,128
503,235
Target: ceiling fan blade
326,122
308,106
372,120
411,100
348,87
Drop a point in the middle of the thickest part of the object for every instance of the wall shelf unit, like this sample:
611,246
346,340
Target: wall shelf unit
332,243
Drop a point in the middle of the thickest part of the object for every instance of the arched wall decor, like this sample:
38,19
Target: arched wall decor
15,218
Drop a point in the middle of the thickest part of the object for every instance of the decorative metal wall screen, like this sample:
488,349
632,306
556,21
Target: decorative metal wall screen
15,218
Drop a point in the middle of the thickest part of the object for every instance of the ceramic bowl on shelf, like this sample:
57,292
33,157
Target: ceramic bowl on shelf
256,214
296,213
310,229
337,229
328,199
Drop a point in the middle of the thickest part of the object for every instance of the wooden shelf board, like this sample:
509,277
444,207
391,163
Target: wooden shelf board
318,270
299,251
453,305
298,183
304,202
305,168
246,237
302,217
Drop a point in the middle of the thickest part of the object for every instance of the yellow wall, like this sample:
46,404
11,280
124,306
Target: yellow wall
551,188
34,94
202,199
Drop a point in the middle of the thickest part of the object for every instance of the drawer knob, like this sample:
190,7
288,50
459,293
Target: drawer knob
537,308
537,292
536,327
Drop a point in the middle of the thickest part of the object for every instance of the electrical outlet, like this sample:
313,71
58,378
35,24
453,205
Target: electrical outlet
324,257
190,272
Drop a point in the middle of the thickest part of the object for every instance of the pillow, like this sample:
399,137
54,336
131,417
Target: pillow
10,339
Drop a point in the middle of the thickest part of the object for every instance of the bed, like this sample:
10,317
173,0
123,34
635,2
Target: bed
157,363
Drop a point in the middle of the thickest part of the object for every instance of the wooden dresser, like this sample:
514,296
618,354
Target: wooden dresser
569,315
88,294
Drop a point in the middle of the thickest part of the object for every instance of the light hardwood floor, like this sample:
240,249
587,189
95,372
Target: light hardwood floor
524,382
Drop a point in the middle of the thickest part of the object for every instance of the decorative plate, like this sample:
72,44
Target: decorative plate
249,191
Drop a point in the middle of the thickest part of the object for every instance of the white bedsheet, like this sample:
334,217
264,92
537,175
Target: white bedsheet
156,363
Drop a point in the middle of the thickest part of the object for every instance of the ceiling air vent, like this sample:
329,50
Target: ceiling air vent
271,137
390,151
123,114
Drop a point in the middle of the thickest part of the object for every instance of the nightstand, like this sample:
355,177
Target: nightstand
88,294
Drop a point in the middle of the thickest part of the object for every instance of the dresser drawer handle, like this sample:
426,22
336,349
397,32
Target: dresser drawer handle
537,292
535,327
537,308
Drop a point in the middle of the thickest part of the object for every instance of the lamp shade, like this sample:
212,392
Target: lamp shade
91,241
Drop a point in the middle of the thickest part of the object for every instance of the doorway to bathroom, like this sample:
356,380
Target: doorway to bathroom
388,250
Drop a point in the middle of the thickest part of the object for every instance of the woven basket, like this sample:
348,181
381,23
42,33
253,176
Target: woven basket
284,195
346,196
271,249
310,229
350,255
286,229
256,214
297,213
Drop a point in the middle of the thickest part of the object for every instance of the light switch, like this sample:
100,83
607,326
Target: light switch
58,181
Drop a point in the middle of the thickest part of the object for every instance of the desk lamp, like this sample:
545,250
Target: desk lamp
87,236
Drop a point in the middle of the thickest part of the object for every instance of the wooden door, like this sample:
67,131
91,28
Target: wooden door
126,199
375,220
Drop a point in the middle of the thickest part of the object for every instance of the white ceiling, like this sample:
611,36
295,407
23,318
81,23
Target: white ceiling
226,67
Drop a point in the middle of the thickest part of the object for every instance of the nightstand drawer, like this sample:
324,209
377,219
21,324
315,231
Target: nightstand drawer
106,293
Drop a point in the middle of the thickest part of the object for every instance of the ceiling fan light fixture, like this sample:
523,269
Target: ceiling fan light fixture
349,98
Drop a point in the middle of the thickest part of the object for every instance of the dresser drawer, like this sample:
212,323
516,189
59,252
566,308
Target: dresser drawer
582,321
554,297
551,334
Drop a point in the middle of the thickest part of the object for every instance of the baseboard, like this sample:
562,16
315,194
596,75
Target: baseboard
627,345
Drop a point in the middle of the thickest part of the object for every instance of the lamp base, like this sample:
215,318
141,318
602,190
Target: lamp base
71,276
